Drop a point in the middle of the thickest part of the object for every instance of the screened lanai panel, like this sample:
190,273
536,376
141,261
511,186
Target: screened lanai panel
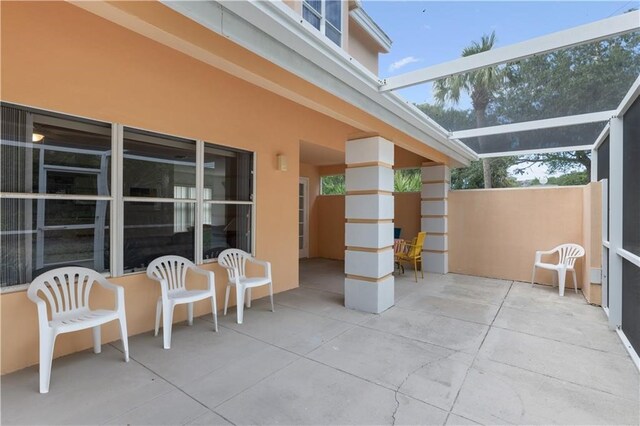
559,137
580,80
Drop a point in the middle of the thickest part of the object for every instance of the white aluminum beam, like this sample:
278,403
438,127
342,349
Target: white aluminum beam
605,28
629,98
601,137
548,123
615,221
536,151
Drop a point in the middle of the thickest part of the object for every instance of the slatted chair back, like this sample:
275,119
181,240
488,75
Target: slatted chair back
234,260
416,245
65,290
568,253
172,270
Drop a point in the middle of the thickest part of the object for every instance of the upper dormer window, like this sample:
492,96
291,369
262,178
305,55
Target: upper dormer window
326,16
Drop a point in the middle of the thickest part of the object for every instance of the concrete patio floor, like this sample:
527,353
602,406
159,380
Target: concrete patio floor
453,350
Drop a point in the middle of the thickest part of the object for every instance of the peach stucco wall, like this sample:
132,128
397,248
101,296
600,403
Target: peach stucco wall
311,172
362,48
59,57
331,221
592,240
495,233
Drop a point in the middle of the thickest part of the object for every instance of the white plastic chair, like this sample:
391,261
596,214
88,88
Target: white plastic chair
234,261
66,292
567,255
171,273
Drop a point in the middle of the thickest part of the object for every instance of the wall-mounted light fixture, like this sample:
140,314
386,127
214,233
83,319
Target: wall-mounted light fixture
37,137
282,162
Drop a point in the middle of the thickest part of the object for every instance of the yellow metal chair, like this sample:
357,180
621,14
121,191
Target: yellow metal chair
411,253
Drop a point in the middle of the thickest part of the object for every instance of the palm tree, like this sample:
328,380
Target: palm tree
480,85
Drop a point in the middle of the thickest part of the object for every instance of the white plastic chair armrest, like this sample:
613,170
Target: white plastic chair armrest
540,253
263,263
211,279
118,290
163,284
43,319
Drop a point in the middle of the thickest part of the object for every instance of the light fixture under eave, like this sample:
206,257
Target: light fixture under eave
37,137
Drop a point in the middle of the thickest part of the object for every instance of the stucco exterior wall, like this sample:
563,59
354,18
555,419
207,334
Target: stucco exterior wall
311,172
495,233
592,241
362,48
101,71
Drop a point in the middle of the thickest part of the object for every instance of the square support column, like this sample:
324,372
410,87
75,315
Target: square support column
433,208
368,260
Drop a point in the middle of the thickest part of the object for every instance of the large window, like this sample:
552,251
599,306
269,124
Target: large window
159,188
55,189
228,200
326,16
58,205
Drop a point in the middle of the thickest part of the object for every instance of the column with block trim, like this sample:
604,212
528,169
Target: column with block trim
368,263
433,208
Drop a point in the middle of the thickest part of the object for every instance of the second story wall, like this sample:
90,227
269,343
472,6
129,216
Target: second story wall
362,48
361,37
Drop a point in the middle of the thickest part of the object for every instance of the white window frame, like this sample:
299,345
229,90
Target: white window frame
322,15
117,199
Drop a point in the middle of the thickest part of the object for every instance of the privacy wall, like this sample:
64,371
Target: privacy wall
495,233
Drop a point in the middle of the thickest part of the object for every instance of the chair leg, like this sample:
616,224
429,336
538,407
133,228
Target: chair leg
47,341
248,298
562,274
124,336
575,281
226,299
271,295
421,268
239,303
214,310
158,315
415,268
190,313
533,275
97,340
167,322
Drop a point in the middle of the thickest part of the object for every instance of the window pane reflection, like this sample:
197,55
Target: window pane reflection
226,226
47,154
155,165
152,230
39,235
227,174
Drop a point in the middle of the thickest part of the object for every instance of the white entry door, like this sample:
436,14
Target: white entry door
303,217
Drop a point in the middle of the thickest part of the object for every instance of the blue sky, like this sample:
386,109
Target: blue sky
428,32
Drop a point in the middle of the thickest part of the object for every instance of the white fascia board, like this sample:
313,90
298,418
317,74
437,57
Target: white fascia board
536,151
588,33
275,32
547,123
629,98
365,22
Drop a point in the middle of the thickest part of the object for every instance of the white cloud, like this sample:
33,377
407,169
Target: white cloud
403,62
